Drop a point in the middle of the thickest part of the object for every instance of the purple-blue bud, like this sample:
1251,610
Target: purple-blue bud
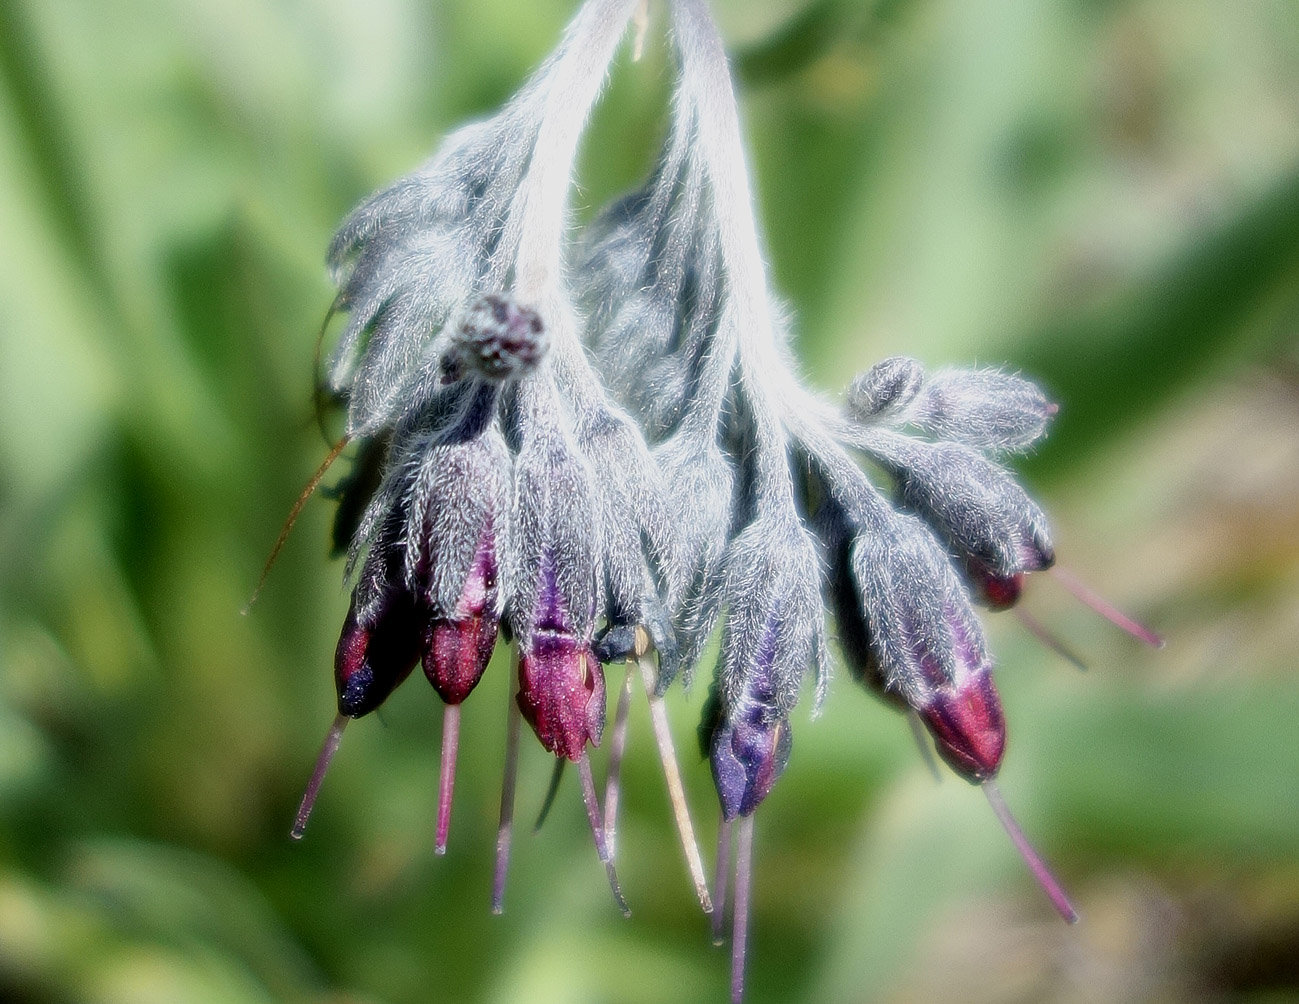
748,756
376,654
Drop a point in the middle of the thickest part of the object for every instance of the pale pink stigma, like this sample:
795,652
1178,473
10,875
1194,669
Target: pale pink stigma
740,920
447,773
617,746
505,828
592,803
1104,608
1034,860
327,751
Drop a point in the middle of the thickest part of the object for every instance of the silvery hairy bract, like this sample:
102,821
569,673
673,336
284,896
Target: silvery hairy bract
591,442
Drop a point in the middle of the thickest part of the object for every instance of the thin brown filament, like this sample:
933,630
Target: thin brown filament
318,398
294,513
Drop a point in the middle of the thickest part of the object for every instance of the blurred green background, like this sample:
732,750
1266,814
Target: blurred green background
1104,193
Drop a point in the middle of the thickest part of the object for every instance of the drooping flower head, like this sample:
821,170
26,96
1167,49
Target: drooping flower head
615,461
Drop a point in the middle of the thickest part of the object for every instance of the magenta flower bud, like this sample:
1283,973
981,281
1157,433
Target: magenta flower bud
458,648
376,652
561,692
968,726
996,592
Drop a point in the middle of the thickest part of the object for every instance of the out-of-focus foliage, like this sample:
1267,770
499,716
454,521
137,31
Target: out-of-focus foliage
1104,193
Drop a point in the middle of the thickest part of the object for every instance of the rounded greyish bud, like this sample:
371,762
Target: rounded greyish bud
980,510
498,338
984,409
884,389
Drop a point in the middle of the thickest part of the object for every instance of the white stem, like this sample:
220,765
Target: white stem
764,373
708,76
538,214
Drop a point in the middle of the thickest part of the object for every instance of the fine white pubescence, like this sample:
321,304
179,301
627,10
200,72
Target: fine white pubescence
485,215
632,435
462,337
774,512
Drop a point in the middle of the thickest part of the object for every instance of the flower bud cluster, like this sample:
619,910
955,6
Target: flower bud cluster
587,457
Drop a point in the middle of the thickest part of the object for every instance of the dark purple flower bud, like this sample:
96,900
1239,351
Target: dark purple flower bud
922,635
376,651
455,495
749,753
774,628
885,389
561,692
640,559
772,635
458,648
498,338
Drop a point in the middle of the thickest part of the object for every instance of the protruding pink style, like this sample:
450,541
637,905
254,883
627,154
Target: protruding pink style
327,751
740,919
456,651
505,829
1034,860
1097,603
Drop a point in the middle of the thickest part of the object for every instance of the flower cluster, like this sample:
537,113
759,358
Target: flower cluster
594,443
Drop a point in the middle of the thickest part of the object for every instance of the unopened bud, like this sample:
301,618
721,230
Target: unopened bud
887,387
373,658
561,693
748,756
968,726
996,592
498,338
458,648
